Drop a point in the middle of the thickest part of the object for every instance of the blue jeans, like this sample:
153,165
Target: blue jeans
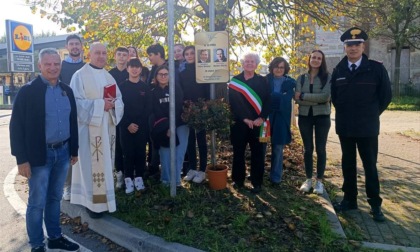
165,156
321,125
276,163
45,192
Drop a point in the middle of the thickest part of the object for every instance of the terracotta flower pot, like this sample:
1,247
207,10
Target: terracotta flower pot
217,176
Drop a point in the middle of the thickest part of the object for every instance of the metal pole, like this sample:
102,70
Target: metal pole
212,86
170,6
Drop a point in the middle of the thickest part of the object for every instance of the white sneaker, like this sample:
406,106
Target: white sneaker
306,186
319,187
138,183
190,175
66,193
199,177
129,187
120,180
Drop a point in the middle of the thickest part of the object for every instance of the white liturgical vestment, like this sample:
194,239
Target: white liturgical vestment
92,180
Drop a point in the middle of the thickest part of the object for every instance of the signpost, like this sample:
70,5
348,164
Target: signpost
20,50
20,47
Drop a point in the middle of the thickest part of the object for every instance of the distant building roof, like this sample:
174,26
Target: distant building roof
39,43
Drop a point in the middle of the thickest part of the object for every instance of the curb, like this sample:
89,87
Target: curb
332,215
389,247
338,229
123,233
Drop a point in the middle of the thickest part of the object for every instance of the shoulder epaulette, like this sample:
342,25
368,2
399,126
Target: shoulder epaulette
376,61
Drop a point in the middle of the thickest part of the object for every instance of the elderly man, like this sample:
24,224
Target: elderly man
249,99
98,114
360,92
44,140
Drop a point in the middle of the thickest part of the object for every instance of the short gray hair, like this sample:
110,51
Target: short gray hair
47,51
253,55
95,44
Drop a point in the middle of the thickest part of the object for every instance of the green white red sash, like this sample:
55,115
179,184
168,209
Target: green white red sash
252,97
265,132
248,92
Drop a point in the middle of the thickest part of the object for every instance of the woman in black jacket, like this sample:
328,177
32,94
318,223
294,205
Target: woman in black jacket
194,91
160,131
134,130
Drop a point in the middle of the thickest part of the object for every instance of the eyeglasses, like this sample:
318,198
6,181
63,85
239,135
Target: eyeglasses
163,75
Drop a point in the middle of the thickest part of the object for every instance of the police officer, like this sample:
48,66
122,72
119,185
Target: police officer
360,92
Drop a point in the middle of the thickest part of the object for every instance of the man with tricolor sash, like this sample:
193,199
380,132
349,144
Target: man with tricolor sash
249,98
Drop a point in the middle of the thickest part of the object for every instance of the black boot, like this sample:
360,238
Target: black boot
345,205
377,214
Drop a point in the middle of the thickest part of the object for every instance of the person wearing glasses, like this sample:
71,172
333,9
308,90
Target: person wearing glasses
282,90
313,94
160,128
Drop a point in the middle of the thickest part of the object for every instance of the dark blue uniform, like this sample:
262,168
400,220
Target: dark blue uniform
359,99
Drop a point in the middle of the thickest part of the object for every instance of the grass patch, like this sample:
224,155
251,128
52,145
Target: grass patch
405,103
352,230
278,219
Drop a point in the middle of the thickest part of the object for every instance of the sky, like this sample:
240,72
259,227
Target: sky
17,10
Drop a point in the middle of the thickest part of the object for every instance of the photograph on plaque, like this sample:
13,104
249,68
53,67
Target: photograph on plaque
212,50
220,55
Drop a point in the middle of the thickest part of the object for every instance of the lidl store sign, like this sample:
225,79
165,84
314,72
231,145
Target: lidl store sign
20,46
21,36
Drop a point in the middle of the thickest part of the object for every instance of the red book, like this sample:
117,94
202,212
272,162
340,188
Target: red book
110,90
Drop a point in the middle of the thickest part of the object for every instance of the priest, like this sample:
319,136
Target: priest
98,114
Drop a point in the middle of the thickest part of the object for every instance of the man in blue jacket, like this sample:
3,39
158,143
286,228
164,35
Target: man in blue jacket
44,140
360,92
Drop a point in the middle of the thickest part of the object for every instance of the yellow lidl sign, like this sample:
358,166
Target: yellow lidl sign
20,47
20,36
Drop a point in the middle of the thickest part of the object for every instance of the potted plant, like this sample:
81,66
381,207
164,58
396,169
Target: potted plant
210,115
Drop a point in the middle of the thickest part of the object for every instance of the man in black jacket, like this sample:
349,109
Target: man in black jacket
360,92
70,64
120,74
44,140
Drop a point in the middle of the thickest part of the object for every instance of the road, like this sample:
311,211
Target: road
13,198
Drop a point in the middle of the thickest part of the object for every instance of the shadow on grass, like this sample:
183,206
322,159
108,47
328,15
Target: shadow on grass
280,218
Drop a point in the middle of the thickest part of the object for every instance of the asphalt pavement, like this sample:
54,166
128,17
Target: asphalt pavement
105,234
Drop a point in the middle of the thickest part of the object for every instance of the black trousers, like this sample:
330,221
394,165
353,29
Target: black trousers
241,135
368,151
134,152
119,161
198,137
321,126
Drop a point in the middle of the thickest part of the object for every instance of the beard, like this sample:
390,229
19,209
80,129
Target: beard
75,53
